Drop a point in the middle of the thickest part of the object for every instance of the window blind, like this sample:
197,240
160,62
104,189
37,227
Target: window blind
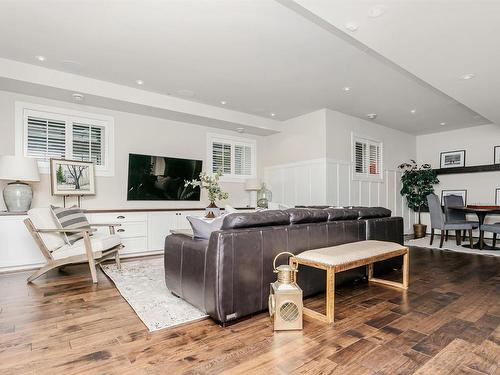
242,160
88,143
221,157
367,158
46,138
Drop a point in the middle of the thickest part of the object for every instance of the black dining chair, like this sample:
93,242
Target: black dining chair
439,222
456,216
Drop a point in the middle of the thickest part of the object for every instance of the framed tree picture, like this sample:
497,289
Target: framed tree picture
72,177
496,155
452,159
460,193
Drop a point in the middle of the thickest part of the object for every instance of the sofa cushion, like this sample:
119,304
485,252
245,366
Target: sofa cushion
71,218
337,214
203,227
306,215
42,218
255,219
371,212
99,241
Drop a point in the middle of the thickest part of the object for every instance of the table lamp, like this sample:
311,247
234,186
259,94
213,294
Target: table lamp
18,195
252,185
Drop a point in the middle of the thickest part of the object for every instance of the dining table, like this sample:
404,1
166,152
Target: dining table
482,211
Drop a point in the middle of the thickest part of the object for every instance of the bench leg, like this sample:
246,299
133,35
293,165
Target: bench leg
406,275
330,295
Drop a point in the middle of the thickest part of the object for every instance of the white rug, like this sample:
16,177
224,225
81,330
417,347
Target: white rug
142,284
450,245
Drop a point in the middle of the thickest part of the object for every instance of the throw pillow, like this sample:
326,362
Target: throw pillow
203,227
70,218
229,209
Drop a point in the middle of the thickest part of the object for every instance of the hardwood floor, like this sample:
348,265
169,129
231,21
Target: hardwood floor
448,322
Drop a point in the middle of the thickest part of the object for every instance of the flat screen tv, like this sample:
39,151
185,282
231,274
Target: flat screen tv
158,178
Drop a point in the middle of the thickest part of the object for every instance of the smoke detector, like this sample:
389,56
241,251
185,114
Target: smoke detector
77,97
371,116
240,130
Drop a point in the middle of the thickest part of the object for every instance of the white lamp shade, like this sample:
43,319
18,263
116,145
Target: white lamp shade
252,184
18,168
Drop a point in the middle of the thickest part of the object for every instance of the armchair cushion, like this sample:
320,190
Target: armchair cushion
43,218
100,242
71,218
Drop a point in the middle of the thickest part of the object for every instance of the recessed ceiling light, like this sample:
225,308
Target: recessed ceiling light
77,97
371,116
347,89
273,114
468,76
223,102
376,11
442,123
413,111
240,130
351,26
40,58
139,82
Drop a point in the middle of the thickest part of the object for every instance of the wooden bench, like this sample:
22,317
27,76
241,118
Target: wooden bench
345,257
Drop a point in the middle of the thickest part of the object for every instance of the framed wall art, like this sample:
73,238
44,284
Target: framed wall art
72,177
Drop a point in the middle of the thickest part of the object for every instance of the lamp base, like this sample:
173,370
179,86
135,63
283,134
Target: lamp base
17,196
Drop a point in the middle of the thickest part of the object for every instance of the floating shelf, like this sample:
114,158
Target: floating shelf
471,169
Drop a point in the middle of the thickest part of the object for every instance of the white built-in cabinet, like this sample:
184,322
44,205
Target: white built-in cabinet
142,233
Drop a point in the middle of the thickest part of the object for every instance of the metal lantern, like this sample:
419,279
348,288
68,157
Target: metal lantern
285,298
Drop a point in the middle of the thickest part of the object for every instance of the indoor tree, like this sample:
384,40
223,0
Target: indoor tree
418,182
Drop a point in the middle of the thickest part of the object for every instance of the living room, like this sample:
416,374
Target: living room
156,163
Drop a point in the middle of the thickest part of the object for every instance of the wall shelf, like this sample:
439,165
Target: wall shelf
471,169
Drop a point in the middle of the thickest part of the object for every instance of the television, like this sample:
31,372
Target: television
159,178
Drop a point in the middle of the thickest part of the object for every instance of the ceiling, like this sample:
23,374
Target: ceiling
266,57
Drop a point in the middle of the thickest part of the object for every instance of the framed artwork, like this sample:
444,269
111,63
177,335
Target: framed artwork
72,177
497,197
496,155
452,159
461,193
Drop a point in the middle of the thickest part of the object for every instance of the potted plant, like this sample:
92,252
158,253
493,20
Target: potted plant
418,182
211,184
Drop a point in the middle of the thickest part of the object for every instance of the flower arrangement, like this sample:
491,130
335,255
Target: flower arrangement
211,183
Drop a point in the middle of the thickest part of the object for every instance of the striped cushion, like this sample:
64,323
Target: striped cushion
70,218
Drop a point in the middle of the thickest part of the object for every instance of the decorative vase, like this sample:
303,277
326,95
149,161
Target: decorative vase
419,230
212,210
264,196
17,196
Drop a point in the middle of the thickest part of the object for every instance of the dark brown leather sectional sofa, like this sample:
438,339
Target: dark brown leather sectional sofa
228,276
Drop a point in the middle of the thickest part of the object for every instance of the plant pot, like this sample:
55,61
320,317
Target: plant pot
419,230
210,210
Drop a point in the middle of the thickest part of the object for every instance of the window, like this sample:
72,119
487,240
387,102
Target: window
234,156
45,132
367,158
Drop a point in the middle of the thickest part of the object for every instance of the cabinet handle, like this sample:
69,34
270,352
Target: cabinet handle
120,217
121,230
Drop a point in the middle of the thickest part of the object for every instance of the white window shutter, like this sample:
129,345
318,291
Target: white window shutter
46,138
367,158
221,157
88,143
242,160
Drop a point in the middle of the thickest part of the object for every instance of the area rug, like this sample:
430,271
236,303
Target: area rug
142,284
450,245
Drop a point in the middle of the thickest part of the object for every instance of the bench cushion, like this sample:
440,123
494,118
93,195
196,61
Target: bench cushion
348,253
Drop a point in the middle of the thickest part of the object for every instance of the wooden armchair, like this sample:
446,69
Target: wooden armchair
93,248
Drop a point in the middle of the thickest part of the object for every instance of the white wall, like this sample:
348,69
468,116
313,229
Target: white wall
133,134
316,166
478,142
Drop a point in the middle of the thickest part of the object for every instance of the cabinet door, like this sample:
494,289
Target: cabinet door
159,226
182,222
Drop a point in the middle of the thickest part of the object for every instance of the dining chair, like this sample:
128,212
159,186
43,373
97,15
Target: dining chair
492,228
456,216
93,248
438,221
